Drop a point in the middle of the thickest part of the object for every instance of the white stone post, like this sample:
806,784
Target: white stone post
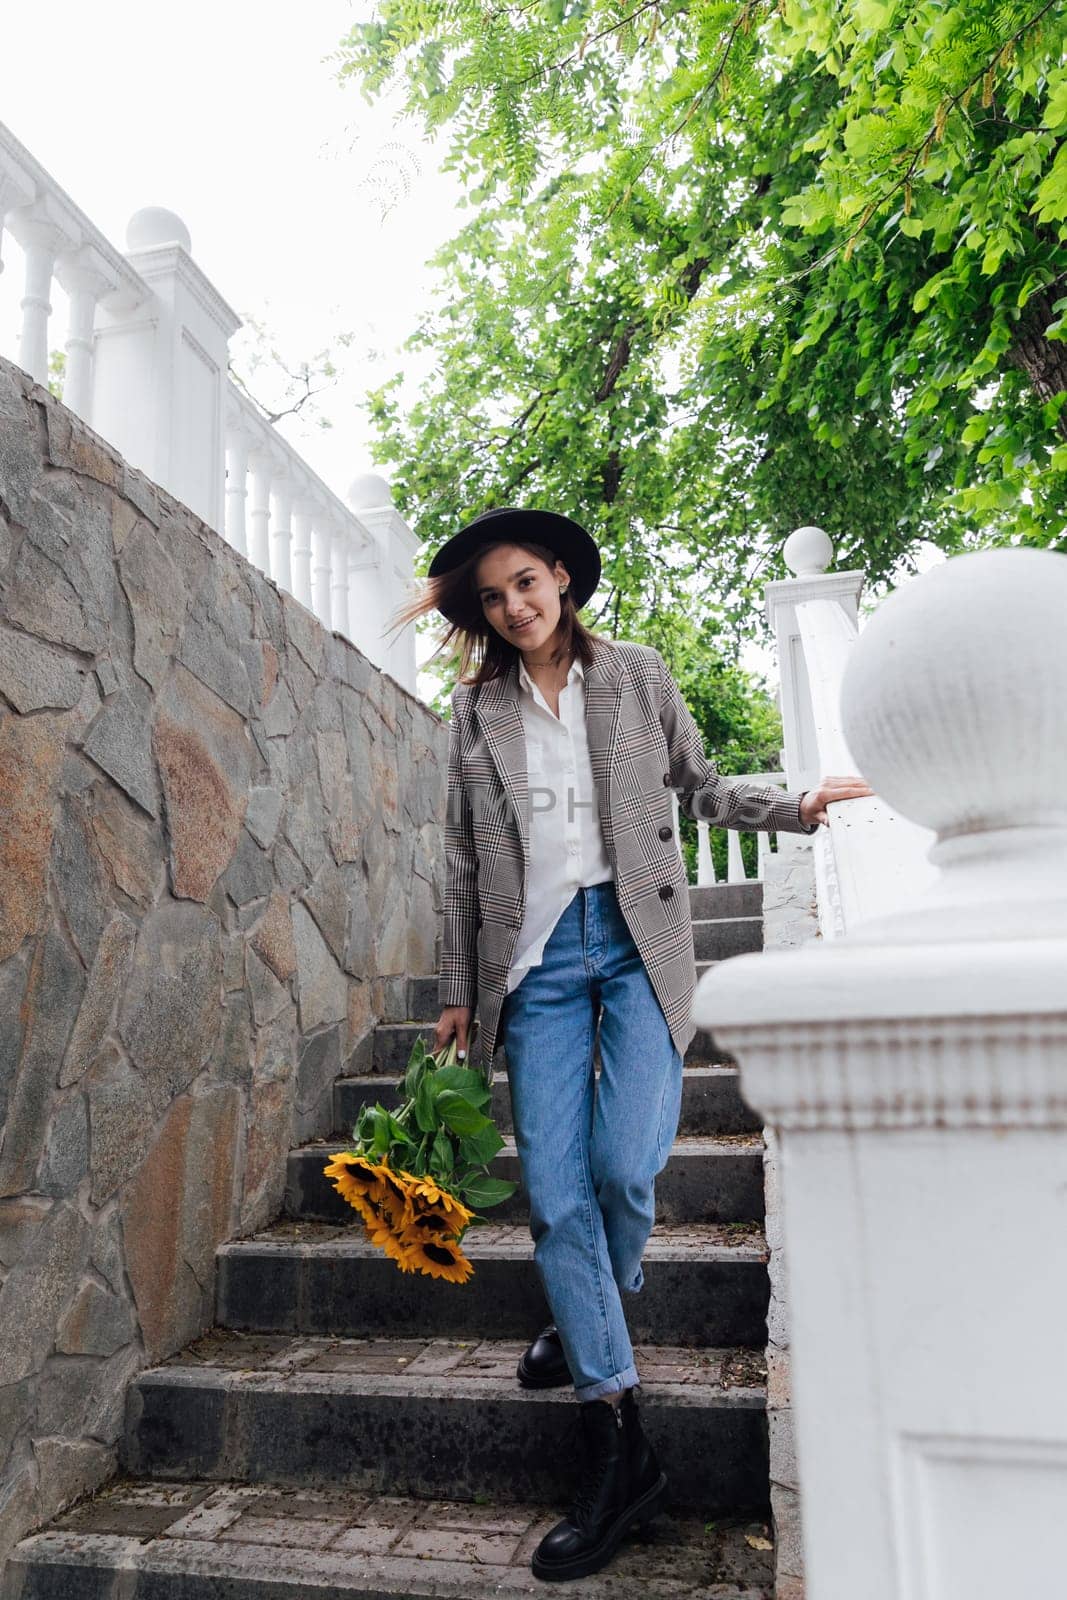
302,515
384,580
237,453
86,280
160,379
339,548
914,1071
281,532
38,232
321,542
262,469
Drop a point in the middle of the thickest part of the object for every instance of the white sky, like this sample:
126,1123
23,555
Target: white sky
230,114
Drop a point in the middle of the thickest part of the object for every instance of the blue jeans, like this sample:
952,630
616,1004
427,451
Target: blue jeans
589,1150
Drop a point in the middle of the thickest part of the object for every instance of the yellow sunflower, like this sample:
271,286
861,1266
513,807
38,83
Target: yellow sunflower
429,1196
438,1258
356,1181
394,1194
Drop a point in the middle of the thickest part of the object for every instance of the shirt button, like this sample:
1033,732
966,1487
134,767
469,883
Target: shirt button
666,891
665,832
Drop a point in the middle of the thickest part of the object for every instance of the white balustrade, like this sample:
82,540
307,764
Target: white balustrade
147,352
914,1069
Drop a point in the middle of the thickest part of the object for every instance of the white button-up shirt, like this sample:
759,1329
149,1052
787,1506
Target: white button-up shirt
567,850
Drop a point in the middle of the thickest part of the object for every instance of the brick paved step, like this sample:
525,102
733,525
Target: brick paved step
429,1418
237,1541
705,1180
711,1101
393,1043
703,1286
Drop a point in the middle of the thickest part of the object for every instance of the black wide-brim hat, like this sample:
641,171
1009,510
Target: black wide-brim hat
567,540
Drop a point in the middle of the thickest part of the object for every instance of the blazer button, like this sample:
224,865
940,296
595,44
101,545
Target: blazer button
666,891
666,780
665,832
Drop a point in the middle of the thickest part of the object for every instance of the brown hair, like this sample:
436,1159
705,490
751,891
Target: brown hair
476,640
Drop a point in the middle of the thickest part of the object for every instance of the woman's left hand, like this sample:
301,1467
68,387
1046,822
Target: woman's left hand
813,805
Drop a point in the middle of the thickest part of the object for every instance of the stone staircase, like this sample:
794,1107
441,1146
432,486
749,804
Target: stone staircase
348,1431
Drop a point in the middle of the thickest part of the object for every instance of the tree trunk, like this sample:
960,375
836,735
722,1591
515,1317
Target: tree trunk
1044,361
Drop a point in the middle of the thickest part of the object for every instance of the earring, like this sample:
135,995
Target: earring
564,591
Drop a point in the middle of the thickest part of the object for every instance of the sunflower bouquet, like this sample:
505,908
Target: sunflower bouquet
415,1176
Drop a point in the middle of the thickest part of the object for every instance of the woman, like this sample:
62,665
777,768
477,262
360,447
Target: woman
566,907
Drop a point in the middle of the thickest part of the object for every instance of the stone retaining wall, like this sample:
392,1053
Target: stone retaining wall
790,918
221,854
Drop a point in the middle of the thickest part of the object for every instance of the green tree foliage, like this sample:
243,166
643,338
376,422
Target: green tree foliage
734,265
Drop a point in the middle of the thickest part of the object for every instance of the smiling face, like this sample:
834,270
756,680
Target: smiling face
520,597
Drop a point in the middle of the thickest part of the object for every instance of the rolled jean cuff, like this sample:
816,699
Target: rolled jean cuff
615,1385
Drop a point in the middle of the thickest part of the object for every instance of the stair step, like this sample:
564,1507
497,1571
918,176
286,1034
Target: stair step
239,1541
703,1286
705,1180
432,1417
393,1043
711,1101
726,900
719,938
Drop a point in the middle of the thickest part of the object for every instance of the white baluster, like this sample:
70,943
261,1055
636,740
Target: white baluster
281,533
735,861
86,284
339,579
261,467
763,850
705,864
321,540
41,242
237,448
302,513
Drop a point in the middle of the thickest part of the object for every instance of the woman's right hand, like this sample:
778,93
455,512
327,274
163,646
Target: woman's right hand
454,1020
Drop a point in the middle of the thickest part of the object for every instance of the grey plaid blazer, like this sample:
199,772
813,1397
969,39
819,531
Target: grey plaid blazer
642,743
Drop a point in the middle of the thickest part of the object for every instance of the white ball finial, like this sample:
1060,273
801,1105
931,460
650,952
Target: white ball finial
807,551
952,706
369,492
154,226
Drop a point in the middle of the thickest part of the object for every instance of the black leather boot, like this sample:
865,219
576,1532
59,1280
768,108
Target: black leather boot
622,1485
543,1364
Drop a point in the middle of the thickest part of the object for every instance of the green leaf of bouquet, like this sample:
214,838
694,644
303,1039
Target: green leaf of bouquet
442,1156
424,1104
418,1066
458,1113
480,1148
464,1081
481,1191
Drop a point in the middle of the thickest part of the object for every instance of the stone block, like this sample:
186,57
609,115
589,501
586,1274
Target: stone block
20,1218
273,938
20,1509
306,818
250,875
66,1151
171,1012
95,1323
322,987
279,717
122,1128
269,997
303,631
204,649
157,597
13,975
119,742
327,899
31,754
176,1210
132,849
20,460
318,1066
53,996
37,1287
80,878
36,677
233,1053
106,982
44,602
205,760
263,814
73,445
